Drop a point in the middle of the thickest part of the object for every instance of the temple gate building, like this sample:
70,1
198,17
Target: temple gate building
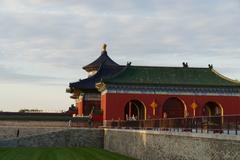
149,92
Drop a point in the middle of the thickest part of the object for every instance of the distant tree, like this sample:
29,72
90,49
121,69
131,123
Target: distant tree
30,110
23,110
35,110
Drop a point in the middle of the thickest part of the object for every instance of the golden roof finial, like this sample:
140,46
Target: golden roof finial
104,47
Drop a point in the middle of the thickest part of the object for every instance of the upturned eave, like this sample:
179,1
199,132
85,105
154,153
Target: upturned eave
100,86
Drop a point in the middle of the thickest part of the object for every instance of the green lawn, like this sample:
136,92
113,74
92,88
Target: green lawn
58,154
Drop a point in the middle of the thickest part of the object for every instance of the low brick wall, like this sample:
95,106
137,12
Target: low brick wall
34,123
65,138
9,129
144,145
13,132
153,145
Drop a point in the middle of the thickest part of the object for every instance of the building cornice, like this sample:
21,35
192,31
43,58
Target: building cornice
173,90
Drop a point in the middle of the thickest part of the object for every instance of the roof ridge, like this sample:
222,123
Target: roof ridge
224,77
140,66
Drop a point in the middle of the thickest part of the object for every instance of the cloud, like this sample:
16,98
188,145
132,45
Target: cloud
10,76
56,33
46,42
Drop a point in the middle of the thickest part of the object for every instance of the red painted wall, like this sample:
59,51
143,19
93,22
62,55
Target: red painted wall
103,106
113,104
80,107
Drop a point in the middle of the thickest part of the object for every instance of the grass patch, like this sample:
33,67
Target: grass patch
59,154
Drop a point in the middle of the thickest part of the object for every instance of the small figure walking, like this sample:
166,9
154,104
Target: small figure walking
165,122
18,133
69,123
133,118
127,117
90,123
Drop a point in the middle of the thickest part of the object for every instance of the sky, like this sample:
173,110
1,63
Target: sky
45,43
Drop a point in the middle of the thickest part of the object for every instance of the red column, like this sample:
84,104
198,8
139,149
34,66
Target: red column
129,109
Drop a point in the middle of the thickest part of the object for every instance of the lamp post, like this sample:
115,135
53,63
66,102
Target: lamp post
154,106
194,106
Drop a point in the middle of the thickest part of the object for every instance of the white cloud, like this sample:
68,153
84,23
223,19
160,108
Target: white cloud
51,40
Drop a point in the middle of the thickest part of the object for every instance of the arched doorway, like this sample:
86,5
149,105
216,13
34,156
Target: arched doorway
214,113
212,109
135,108
174,107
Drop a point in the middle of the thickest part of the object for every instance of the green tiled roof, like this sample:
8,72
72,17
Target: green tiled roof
143,75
